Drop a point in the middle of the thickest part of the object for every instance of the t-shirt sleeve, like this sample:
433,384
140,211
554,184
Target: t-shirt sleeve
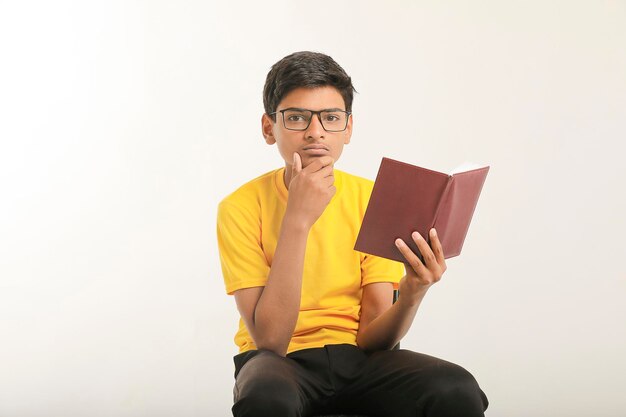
377,269
243,262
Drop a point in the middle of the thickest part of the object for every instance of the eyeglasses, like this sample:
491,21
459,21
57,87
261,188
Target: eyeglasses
332,120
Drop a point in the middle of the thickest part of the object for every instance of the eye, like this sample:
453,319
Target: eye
332,117
295,118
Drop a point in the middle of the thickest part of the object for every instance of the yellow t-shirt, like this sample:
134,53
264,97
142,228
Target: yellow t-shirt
248,226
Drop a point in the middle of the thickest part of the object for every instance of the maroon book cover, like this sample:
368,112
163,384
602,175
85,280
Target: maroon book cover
406,198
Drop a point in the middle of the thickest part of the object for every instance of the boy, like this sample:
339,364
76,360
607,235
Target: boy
318,323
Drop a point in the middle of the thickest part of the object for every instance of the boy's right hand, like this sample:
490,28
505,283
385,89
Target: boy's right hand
310,189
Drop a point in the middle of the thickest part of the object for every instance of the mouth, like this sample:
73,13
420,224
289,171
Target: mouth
315,148
315,151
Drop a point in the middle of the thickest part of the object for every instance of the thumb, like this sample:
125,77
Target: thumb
297,164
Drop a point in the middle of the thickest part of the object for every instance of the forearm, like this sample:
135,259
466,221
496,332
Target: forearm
386,330
276,312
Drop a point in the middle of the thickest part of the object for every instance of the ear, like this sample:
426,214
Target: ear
267,128
348,131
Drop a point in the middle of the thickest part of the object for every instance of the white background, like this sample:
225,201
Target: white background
122,124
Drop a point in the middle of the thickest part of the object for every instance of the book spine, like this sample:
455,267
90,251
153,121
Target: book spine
442,199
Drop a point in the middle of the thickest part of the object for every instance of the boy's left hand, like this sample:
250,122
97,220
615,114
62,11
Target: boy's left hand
421,275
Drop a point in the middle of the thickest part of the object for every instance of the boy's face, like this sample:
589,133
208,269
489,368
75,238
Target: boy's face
313,142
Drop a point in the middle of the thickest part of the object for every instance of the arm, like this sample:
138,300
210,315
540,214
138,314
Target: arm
382,324
270,313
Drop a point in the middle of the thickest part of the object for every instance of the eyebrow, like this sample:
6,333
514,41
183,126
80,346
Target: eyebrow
302,109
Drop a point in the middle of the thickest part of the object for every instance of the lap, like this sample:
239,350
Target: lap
266,382
342,378
403,382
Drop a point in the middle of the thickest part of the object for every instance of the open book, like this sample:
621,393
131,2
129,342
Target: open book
409,198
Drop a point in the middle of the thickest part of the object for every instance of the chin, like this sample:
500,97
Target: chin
308,159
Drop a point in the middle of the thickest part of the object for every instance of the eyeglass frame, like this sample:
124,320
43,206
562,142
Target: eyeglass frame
313,113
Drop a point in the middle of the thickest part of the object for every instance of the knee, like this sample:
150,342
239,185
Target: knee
266,403
266,387
457,389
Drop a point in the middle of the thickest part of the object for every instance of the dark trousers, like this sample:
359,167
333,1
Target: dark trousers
344,379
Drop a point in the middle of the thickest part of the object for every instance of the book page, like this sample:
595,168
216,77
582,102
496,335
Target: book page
466,166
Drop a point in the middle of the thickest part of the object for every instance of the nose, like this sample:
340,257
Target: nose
315,129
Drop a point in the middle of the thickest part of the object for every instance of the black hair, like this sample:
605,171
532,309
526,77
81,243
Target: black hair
305,69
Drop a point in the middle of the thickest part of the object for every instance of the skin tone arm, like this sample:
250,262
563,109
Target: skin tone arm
270,313
383,324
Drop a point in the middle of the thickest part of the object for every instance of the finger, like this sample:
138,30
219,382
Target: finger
327,171
435,244
329,181
327,174
409,255
297,164
425,251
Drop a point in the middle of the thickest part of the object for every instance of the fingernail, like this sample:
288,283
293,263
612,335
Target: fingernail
416,235
398,242
433,232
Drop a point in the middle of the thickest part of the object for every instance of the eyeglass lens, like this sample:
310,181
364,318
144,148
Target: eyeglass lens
332,121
